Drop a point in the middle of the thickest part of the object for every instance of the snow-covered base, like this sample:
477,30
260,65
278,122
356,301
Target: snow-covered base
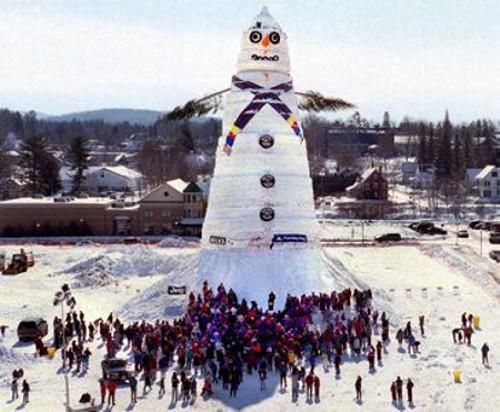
437,280
255,272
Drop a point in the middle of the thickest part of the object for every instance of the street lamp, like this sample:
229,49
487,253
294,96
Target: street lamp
62,297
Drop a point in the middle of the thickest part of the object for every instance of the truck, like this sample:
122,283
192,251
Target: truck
20,263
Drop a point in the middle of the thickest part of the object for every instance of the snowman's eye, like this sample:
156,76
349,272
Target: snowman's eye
274,37
255,36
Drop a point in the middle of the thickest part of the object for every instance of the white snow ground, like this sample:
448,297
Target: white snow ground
437,279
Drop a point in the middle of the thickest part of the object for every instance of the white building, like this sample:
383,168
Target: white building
488,183
113,179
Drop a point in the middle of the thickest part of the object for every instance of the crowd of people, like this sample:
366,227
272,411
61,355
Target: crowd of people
221,339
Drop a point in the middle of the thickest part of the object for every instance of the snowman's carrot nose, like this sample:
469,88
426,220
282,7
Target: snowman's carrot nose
265,42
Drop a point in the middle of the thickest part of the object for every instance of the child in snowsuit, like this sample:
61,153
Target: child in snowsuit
358,386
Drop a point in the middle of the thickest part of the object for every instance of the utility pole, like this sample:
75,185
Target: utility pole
362,232
61,297
481,240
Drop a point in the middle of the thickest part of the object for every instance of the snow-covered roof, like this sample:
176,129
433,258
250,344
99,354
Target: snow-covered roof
178,184
364,177
118,170
485,172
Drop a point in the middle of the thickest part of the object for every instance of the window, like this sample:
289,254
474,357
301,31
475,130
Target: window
102,176
165,213
487,193
148,213
166,194
494,174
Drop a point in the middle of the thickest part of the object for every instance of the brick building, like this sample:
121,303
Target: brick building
159,212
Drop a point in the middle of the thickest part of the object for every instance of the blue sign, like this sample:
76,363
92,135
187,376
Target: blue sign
286,238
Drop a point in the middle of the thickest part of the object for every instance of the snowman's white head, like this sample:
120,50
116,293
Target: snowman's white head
264,46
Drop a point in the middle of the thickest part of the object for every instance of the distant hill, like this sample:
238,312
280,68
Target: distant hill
133,116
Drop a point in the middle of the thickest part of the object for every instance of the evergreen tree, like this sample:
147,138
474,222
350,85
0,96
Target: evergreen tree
78,156
468,148
444,152
422,145
386,123
458,159
431,151
50,175
40,169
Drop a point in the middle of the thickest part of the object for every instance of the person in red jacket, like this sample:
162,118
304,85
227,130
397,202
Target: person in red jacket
316,387
111,392
102,388
309,385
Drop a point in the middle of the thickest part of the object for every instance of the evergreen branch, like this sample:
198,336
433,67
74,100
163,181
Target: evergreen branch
196,108
315,102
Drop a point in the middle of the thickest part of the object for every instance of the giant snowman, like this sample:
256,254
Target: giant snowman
261,192
260,232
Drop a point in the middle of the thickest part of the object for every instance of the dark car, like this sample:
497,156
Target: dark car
32,328
476,224
117,369
462,234
495,255
435,231
427,228
388,237
495,237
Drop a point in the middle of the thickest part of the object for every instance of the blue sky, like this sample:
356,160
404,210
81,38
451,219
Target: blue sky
408,57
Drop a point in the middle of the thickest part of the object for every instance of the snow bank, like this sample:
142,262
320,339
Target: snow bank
461,265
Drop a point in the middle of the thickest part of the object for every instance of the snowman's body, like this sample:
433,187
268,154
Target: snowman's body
262,191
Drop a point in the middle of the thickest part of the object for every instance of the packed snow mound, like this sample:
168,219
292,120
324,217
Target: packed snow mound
131,261
254,273
175,241
155,302
94,279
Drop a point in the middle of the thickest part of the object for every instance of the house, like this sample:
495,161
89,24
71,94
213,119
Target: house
409,171
470,178
11,188
371,186
424,177
113,179
488,183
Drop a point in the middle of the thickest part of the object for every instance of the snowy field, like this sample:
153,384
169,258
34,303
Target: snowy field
435,278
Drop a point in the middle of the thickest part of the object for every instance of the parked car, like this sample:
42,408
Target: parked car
32,328
427,228
117,369
495,237
388,237
495,255
476,224
462,234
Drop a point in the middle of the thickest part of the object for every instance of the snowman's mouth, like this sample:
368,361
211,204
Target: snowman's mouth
274,58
